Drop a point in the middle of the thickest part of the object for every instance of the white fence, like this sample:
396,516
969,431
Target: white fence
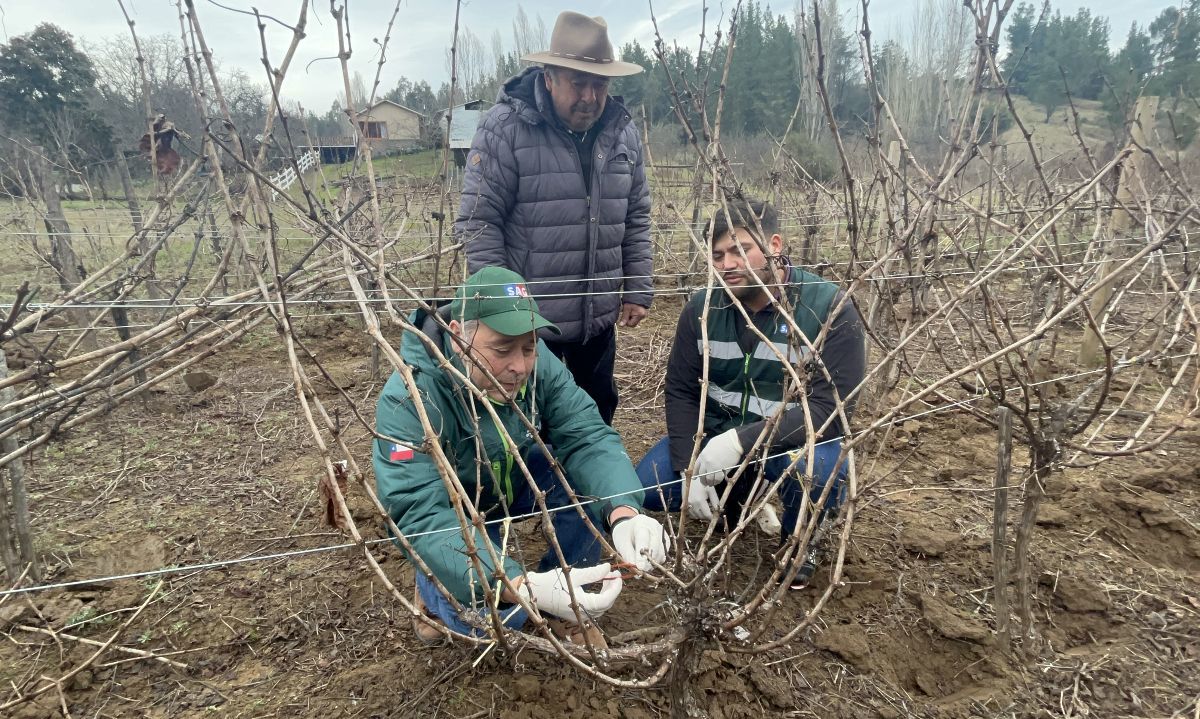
286,178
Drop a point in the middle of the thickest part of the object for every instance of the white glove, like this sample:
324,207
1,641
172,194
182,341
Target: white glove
640,539
549,590
721,454
768,521
703,500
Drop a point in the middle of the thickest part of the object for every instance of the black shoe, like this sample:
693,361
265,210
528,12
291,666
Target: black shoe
812,558
807,569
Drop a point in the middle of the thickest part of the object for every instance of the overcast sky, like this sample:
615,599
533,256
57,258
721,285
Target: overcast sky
423,29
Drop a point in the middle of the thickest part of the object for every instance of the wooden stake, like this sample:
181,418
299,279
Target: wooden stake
1000,522
62,254
135,216
14,522
1119,224
120,318
881,314
135,209
376,356
695,260
1042,453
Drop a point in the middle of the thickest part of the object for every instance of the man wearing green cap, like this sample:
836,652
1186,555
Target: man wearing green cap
489,335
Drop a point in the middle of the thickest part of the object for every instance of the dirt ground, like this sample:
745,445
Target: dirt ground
229,471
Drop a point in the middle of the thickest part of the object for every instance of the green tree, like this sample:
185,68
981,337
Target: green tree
400,91
842,69
744,108
643,88
1136,57
651,89
421,98
757,76
41,74
1022,43
1163,60
1057,55
47,88
333,123
1044,87
1175,39
417,95
1132,67
1081,50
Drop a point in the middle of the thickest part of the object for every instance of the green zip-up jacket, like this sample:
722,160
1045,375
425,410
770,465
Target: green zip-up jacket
590,452
747,382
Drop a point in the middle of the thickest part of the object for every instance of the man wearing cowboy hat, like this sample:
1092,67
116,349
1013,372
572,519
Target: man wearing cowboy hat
555,190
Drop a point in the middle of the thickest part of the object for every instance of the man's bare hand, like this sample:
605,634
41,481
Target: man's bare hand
631,315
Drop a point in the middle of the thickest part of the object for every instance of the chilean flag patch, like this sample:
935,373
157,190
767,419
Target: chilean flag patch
399,452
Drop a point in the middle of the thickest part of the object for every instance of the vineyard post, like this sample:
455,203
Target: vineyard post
62,254
1119,224
1000,522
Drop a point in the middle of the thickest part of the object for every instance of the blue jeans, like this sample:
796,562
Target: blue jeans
655,467
578,544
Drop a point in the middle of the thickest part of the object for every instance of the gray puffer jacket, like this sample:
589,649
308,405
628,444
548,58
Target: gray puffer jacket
526,207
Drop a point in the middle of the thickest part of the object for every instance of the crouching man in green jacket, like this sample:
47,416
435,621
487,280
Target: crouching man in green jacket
490,334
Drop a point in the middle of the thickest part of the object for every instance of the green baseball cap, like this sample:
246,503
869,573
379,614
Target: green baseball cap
498,298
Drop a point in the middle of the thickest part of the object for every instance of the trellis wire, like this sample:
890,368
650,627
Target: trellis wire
529,515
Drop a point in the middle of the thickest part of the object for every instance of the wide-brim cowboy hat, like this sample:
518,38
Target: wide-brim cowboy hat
581,43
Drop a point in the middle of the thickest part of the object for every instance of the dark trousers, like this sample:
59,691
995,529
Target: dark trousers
591,364
664,491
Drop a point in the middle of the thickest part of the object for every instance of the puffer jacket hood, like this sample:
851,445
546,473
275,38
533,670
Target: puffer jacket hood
520,90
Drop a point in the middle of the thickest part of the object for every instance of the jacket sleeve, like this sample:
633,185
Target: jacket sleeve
637,252
591,452
845,357
684,370
412,491
488,194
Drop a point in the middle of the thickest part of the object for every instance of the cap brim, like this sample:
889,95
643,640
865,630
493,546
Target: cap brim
616,68
517,322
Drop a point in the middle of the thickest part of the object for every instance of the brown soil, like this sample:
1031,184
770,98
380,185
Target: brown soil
229,471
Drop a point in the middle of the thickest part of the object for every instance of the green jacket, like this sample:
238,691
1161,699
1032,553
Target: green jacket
590,452
747,383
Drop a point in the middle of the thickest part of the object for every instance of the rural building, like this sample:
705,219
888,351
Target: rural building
388,126
391,126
